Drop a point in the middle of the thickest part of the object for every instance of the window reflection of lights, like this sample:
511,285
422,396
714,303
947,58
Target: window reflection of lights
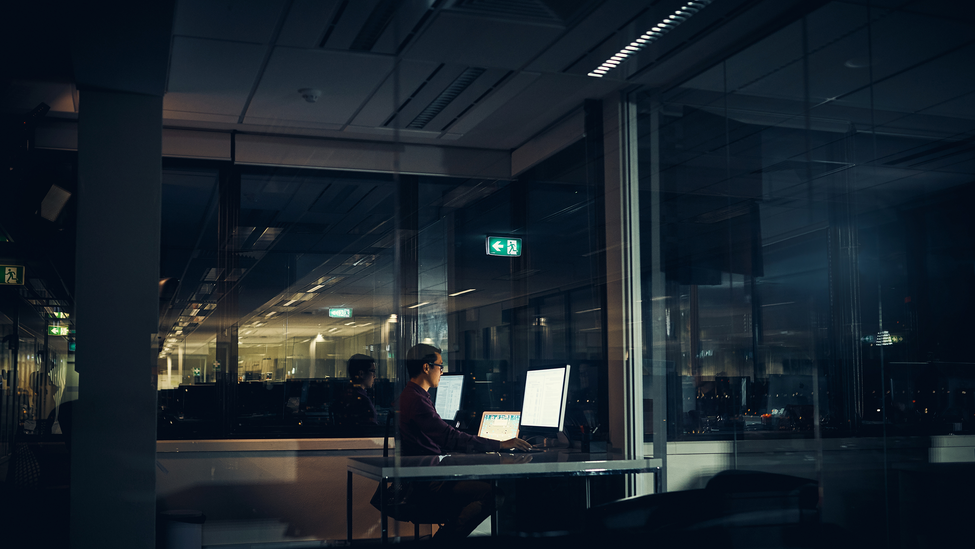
669,23
589,310
393,318
269,315
364,325
316,288
467,291
332,330
319,338
288,303
349,323
418,305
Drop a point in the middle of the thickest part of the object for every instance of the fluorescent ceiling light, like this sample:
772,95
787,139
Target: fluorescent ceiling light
316,288
289,303
669,23
469,290
418,305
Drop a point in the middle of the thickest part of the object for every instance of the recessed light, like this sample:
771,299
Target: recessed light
670,22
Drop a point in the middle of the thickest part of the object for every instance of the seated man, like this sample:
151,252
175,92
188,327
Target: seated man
423,432
354,413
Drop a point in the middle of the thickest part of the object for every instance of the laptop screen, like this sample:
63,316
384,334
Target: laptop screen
499,425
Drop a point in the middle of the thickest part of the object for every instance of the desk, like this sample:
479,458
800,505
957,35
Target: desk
495,466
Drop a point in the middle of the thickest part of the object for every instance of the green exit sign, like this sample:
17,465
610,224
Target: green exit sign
12,274
503,246
340,312
57,330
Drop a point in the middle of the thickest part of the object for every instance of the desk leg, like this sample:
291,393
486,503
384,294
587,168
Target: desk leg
588,500
348,508
494,514
382,508
658,481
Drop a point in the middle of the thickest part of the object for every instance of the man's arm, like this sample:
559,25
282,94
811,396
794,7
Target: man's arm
450,439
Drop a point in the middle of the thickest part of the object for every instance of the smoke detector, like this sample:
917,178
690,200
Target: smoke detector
310,94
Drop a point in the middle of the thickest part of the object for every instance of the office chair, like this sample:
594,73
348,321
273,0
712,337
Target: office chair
412,514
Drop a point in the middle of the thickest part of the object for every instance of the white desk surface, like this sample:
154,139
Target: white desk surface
487,466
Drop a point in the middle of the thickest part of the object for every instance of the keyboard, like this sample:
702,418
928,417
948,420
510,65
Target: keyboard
531,450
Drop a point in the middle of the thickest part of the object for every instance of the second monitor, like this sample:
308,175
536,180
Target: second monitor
448,398
543,406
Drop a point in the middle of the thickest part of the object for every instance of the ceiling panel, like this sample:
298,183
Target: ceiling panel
465,40
210,76
380,106
346,80
929,37
944,82
349,23
474,92
584,36
306,23
240,20
438,82
542,102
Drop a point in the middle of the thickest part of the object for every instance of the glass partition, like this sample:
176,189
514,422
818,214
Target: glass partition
817,256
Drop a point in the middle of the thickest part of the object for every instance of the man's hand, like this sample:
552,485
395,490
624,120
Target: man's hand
515,444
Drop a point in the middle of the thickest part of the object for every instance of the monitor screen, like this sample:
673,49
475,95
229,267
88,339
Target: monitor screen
449,391
499,425
545,394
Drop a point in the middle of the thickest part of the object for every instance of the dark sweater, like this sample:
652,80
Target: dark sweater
424,433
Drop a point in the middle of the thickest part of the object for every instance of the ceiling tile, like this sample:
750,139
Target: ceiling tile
306,23
471,41
577,41
210,76
346,80
379,108
239,20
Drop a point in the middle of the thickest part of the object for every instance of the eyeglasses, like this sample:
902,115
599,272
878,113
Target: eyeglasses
437,365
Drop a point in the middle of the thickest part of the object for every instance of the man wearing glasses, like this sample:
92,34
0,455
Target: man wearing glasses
354,413
424,433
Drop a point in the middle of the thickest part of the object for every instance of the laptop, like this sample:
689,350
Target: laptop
499,425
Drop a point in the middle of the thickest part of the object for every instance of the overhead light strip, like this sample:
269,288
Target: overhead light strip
668,24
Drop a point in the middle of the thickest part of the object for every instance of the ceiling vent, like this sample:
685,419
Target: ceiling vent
335,21
450,93
374,26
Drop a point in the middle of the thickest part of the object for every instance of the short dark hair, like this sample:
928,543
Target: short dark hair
418,356
359,364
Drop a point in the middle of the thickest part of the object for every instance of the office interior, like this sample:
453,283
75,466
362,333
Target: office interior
743,224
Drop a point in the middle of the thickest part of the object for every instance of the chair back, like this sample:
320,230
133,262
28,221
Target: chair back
389,422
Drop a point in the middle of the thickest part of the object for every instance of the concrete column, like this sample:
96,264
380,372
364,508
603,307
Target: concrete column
117,267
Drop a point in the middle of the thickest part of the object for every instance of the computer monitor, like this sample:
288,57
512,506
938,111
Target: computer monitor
499,425
543,407
449,393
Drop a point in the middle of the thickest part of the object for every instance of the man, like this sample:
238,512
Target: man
354,412
423,432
